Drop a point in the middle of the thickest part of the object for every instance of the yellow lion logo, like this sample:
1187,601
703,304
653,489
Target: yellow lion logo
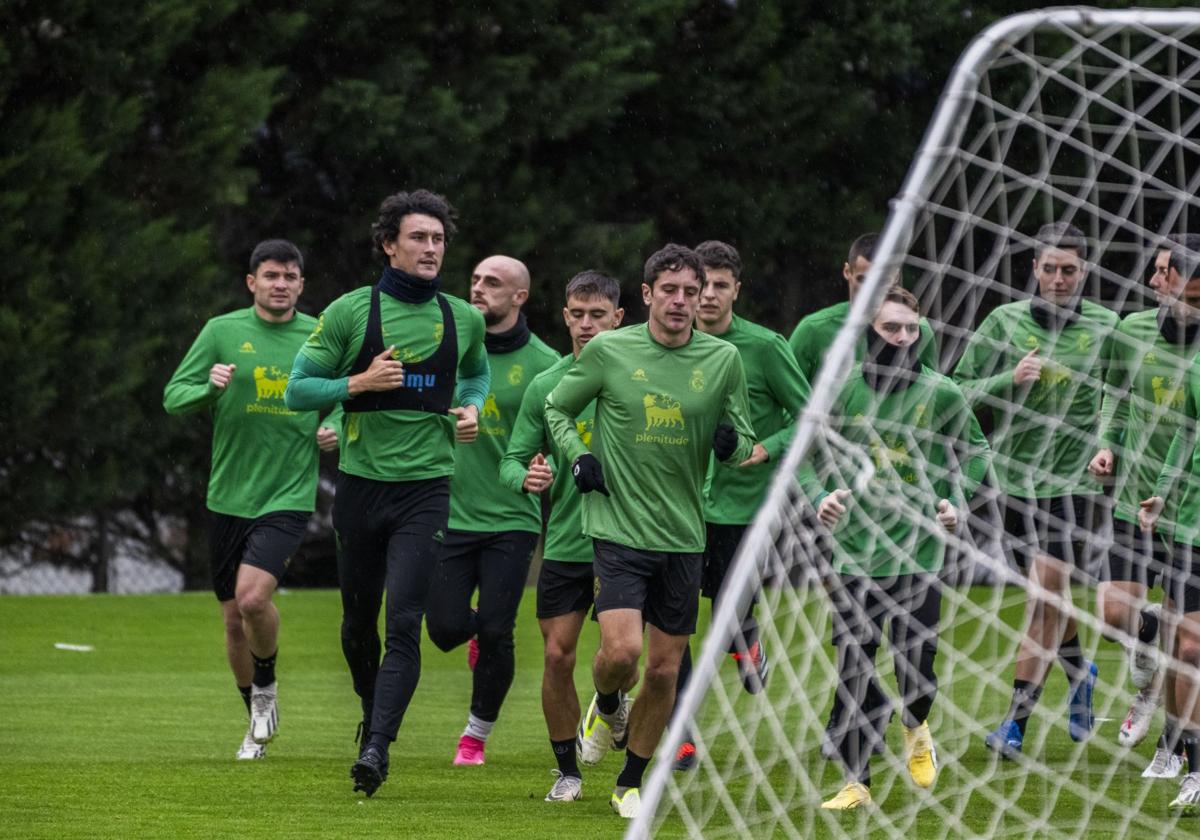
1165,393
662,412
491,411
268,387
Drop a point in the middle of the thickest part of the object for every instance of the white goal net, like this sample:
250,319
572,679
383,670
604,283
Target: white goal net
1072,115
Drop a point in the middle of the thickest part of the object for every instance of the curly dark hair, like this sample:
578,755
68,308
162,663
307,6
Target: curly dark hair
395,207
672,257
716,254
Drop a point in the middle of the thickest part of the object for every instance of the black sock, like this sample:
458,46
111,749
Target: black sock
1071,657
1024,698
264,669
1169,740
608,703
245,689
564,754
631,773
1190,739
1148,628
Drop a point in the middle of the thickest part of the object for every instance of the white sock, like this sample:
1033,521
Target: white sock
478,729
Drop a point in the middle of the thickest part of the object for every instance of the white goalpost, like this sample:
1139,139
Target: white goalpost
1078,115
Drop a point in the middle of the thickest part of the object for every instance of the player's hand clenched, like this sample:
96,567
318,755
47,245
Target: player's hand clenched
539,476
384,374
466,426
833,508
1102,463
1150,510
220,375
725,441
589,475
1029,369
947,516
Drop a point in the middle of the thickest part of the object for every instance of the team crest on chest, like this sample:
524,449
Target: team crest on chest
696,383
516,373
439,329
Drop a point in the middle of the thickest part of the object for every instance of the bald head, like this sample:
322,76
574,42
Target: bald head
499,288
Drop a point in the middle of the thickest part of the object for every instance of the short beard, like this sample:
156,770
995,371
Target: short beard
490,318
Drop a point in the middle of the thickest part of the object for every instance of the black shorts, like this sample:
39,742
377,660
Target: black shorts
564,588
721,545
1060,526
1136,556
1181,582
663,585
861,604
267,542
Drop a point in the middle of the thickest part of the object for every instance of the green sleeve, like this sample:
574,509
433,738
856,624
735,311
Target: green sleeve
311,386
790,389
927,350
737,412
190,389
474,374
970,444
574,391
1179,457
802,350
976,371
1114,410
526,439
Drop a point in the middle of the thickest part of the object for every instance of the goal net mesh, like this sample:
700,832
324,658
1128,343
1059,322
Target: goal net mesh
1073,115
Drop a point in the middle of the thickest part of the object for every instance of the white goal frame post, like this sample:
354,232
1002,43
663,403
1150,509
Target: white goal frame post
913,215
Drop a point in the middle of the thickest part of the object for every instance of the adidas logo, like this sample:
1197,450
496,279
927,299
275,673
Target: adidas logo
639,375
246,347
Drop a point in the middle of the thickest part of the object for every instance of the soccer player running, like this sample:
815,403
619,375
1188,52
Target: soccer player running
1038,365
778,391
1143,408
666,395
929,455
394,353
564,586
263,484
493,531
810,341
1178,489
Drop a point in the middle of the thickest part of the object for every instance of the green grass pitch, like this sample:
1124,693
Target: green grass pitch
136,738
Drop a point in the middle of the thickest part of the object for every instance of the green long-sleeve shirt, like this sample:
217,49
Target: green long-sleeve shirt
390,445
565,540
1179,481
777,390
1143,408
656,410
264,455
899,454
814,335
478,501
1044,431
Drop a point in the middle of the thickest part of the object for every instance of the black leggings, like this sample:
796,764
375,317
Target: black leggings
860,606
497,564
388,535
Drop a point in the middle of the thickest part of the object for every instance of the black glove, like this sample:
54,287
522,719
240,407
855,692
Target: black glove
725,441
589,475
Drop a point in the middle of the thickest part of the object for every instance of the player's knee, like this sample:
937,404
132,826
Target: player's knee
559,659
446,636
1114,613
621,655
660,676
253,602
1189,649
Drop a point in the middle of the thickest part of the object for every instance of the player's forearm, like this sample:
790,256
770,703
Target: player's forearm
184,397
1113,411
561,424
986,389
311,387
1179,457
474,379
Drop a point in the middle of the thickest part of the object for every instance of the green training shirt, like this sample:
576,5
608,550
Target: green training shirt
1179,481
395,445
478,501
915,447
778,391
1143,408
565,540
1044,432
814,335
656,410
264,455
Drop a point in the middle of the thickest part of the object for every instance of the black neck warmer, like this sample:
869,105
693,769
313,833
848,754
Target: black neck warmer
1169,327
1052,317
407,288
888,368
509,340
